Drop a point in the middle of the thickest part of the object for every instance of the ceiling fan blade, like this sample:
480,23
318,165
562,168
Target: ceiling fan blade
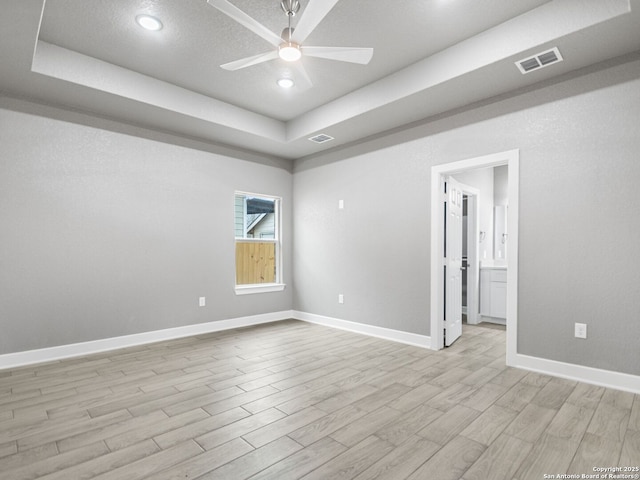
312,15
243,19
302,74
342,54
247,62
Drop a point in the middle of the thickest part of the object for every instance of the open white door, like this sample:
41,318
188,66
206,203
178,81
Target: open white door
453,261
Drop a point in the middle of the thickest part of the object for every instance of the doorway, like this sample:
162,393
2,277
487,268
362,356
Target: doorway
438,175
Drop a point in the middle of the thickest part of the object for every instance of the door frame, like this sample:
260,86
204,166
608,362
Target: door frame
511,158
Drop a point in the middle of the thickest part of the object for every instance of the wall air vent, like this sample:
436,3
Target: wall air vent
540,60
321,138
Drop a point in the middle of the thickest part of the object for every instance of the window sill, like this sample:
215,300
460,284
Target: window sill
259,288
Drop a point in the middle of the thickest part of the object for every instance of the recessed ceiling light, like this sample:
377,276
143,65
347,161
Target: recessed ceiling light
149,23
285,82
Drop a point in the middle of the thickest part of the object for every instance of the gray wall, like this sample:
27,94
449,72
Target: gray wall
579,140
104,234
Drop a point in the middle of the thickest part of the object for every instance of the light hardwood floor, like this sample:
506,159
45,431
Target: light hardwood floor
293,400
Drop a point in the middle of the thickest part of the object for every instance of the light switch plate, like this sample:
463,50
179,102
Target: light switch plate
202,301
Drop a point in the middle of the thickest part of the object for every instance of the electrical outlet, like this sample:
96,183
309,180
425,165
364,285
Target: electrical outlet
340,298
581,330
202,301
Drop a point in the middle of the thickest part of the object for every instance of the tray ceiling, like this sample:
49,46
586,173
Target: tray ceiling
429,57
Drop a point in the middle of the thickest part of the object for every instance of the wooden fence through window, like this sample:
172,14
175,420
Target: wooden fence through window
255,262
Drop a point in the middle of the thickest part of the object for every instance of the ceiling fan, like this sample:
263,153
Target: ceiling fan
288,45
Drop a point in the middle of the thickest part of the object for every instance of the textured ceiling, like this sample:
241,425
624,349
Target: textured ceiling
429,57
197,38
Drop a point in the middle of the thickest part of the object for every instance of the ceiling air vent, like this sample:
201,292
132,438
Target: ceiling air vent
321,138
539,60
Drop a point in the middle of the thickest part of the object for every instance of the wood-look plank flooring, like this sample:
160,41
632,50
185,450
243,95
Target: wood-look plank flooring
292,400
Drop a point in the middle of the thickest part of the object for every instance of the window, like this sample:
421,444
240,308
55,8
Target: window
257,234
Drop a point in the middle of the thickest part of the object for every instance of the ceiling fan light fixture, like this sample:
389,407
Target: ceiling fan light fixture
148,22
289,52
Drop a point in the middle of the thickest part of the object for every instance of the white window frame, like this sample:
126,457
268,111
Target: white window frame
278,285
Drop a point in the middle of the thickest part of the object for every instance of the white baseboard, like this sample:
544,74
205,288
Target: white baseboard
414,339
18,359
580,373
595,376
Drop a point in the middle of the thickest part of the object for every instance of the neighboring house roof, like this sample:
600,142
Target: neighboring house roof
253,220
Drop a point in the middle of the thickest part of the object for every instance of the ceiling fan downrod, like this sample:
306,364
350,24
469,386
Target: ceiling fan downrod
290,8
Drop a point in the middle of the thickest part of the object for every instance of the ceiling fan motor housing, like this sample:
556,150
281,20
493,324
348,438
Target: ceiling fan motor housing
286,34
